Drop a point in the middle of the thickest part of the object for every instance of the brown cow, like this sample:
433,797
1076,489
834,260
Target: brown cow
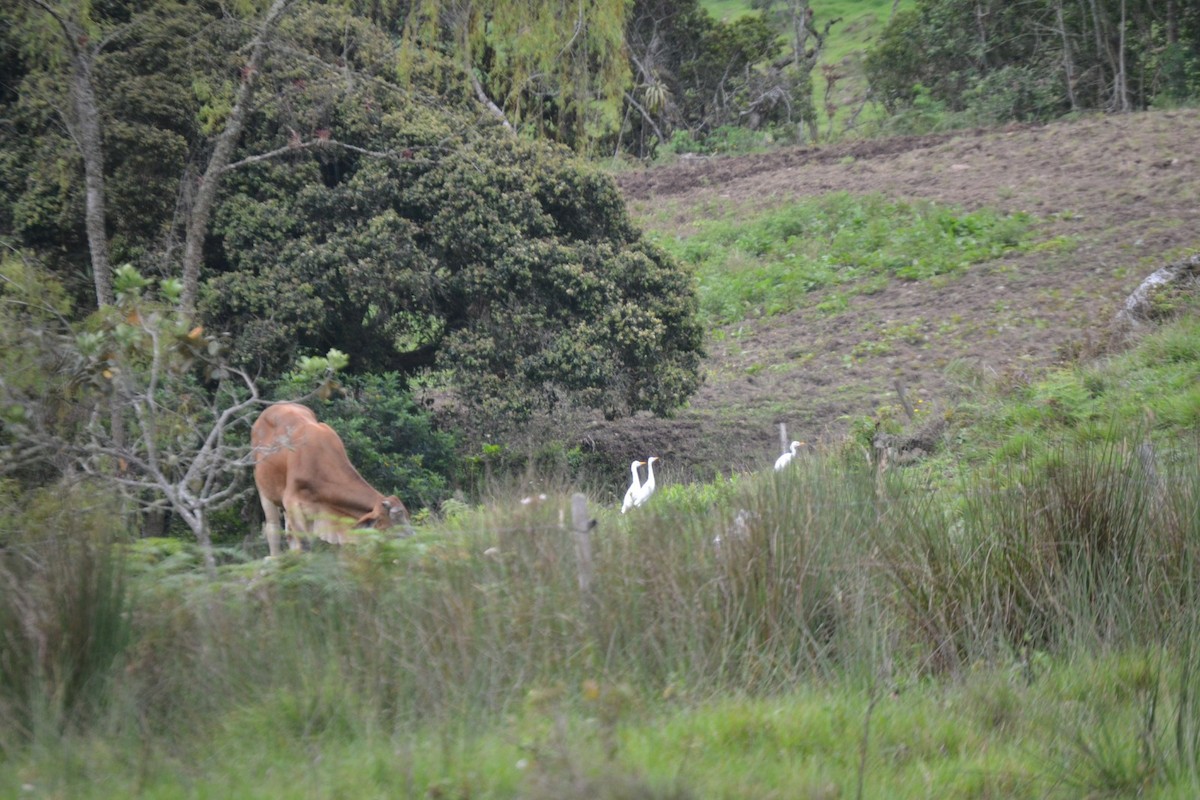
301,464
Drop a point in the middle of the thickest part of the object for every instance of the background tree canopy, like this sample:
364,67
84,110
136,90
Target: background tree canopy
1037,60
381,216
502,264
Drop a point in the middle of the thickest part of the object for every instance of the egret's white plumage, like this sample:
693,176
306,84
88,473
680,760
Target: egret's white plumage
646,489
634,487
787,457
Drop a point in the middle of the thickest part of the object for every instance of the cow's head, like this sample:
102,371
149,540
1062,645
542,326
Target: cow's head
387,512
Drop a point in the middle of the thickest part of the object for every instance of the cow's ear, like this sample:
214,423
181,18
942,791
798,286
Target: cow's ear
366,520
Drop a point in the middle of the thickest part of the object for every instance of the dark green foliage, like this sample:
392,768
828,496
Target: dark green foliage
389,224
1179,69
939,45
1015,92
695,75
147,77
504,263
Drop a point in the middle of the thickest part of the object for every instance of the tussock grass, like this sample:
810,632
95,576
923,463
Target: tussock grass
64,624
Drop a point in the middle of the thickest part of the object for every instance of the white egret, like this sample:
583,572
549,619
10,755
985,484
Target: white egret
646,489
787,457
634,487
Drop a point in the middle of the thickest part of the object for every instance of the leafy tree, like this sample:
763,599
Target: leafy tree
166,379
696,74
67,39
553,67
353,210
503,265
119,55
144,106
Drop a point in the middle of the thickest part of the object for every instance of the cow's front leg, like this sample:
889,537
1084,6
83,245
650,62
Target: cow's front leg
298,525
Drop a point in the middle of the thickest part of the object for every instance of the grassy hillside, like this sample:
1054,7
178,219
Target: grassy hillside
832,275
835,630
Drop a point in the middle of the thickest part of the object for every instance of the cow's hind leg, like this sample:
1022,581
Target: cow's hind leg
271,525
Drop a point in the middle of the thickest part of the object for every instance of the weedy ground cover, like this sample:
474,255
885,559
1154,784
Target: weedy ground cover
1023,628
1146,395
769,263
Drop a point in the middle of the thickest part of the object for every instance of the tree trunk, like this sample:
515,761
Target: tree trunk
1068,65
1122,81
206,545
487,102
83,123
206,192
981,25
86,130
799,12
1104,51
632,101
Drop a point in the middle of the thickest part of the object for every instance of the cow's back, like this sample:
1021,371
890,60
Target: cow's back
275,437
318,468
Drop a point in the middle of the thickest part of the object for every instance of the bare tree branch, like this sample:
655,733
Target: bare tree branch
311,144
487,101
629,98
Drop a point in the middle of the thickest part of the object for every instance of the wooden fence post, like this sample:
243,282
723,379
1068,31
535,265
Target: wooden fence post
582,527
908,409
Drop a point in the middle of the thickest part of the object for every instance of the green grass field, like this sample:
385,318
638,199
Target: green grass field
825,632
1073,730
767,264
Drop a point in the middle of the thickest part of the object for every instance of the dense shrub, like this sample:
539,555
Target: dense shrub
504,265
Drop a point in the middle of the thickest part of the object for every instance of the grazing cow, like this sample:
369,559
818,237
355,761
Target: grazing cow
301,465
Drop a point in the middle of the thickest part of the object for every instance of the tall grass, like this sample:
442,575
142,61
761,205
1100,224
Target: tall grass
1047,557
824,574
64,628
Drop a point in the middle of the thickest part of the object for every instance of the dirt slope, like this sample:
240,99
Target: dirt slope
1123,193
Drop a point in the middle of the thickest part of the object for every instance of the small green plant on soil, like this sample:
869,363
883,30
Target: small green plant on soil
770,263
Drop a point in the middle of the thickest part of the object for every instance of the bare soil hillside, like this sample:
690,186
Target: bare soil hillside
1115,197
